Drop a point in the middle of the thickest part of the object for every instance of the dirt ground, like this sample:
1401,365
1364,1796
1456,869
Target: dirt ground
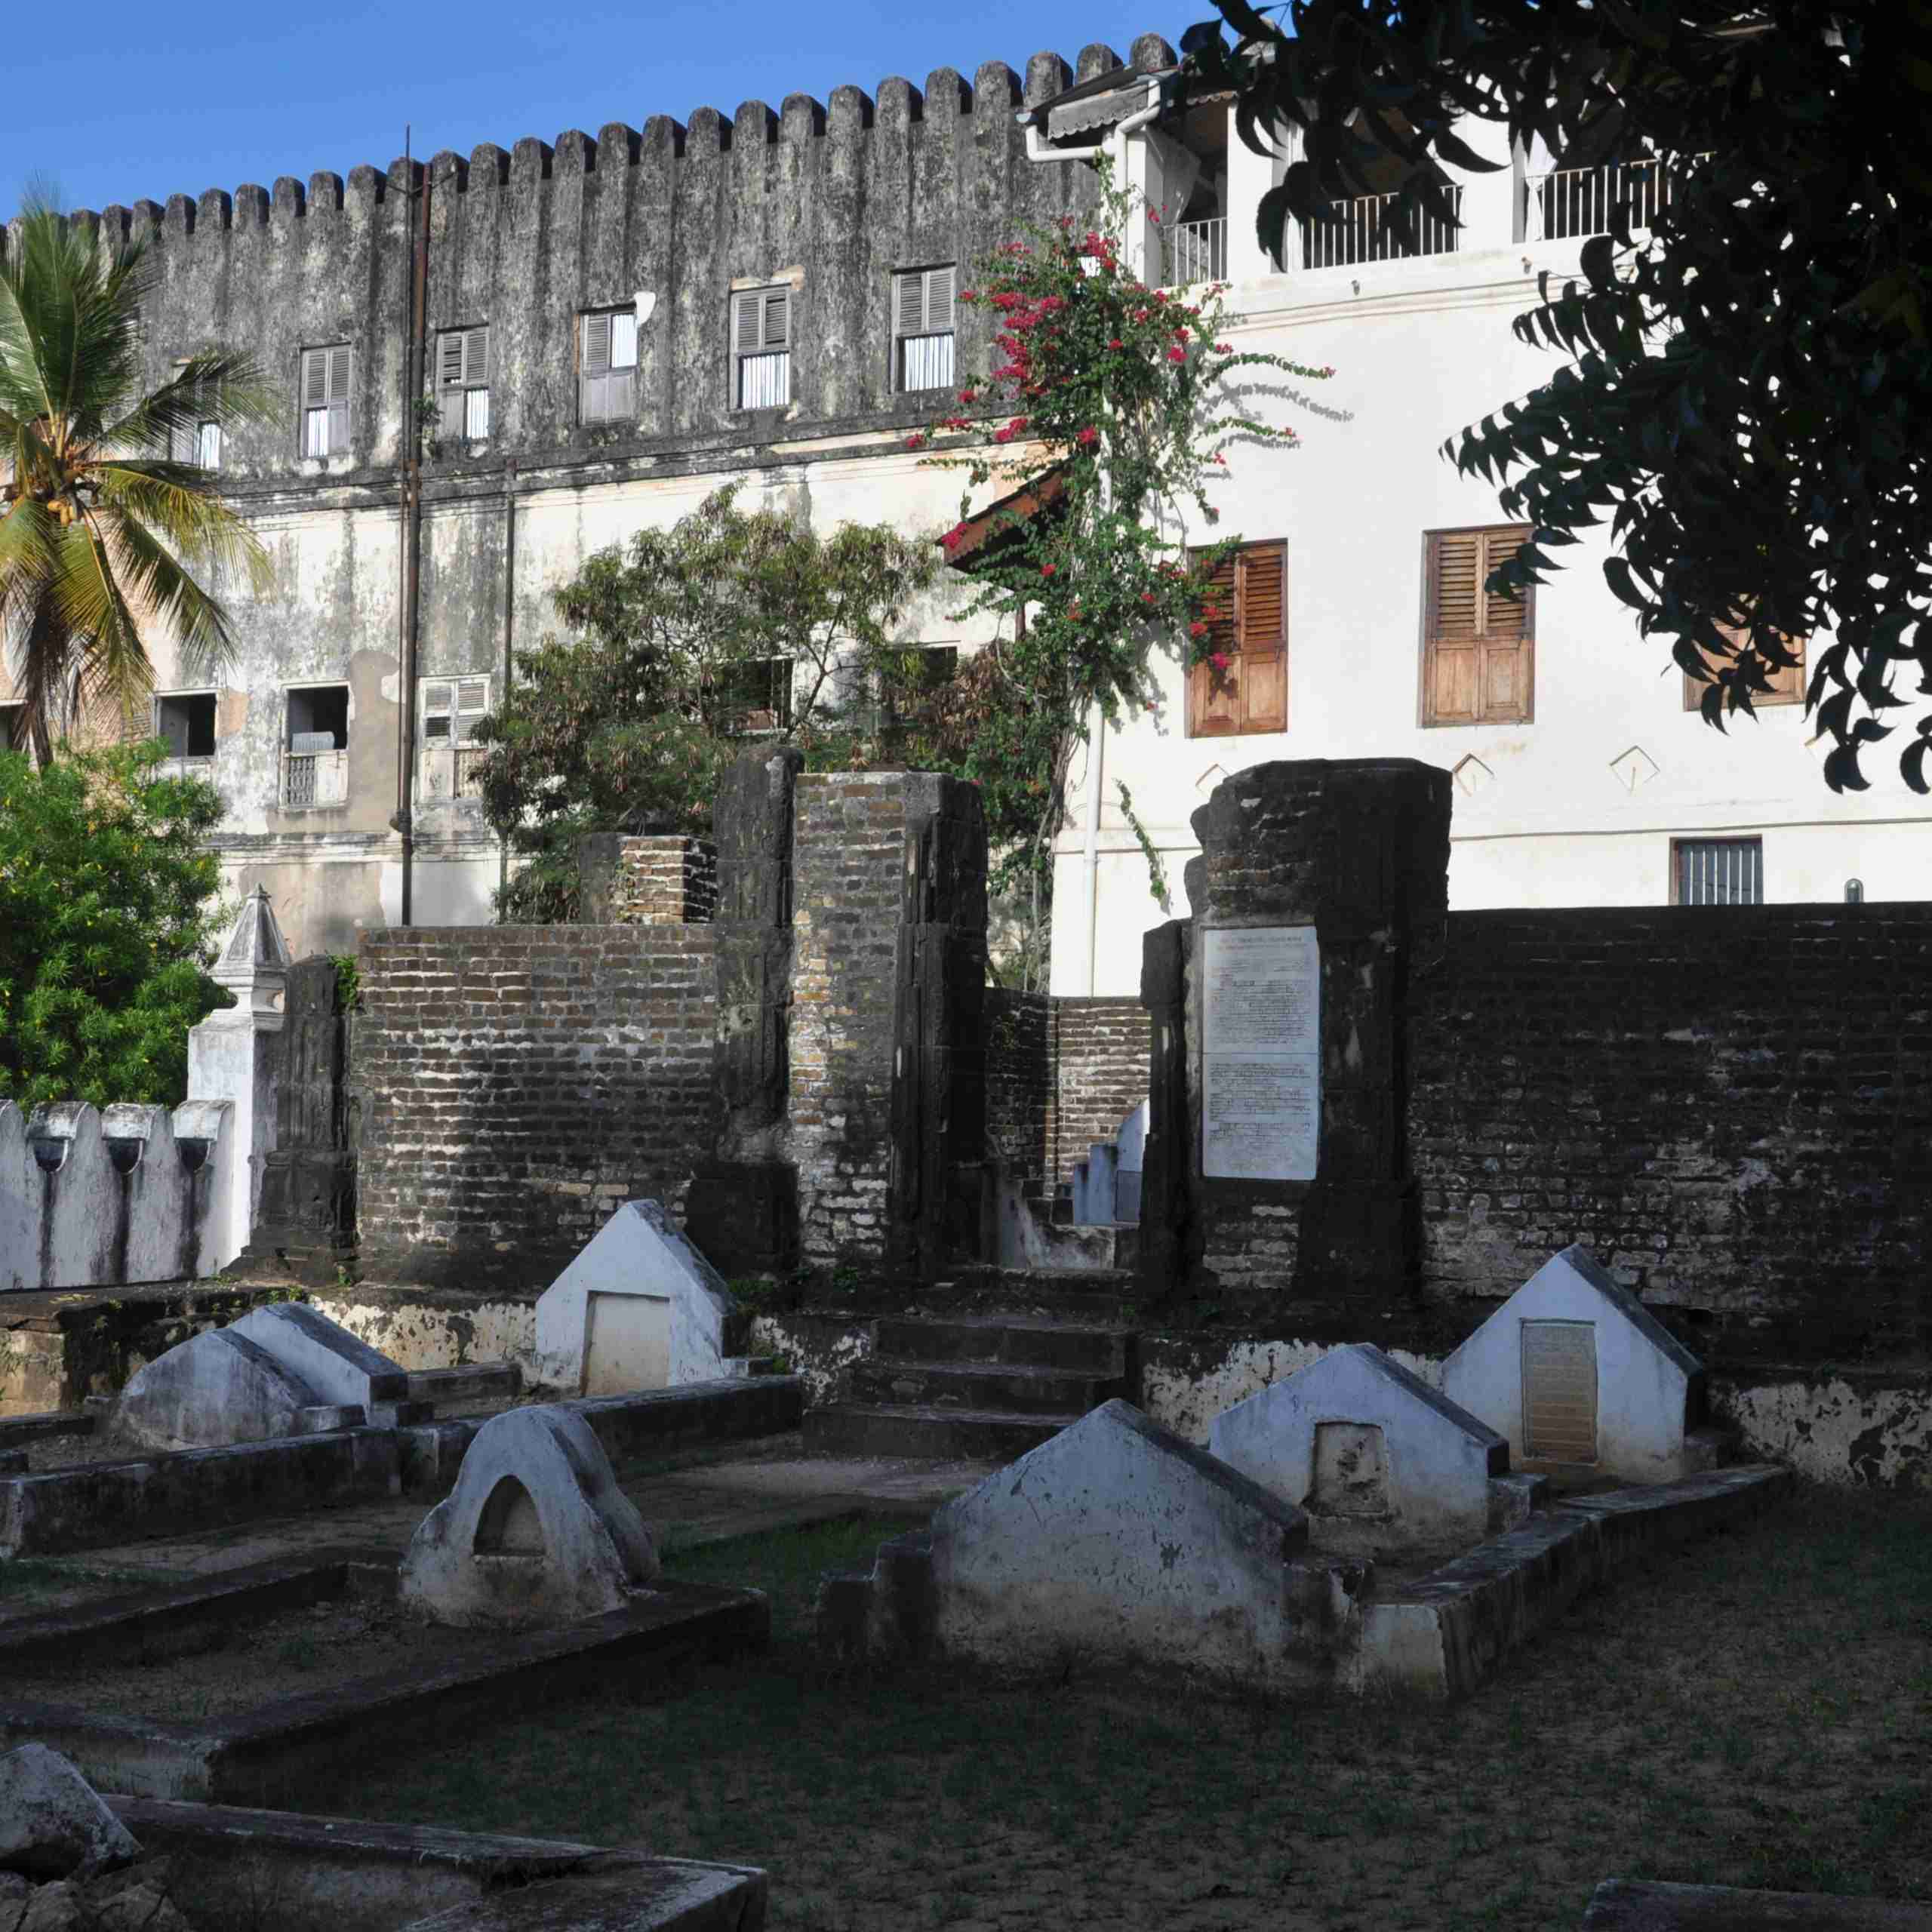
1755,1710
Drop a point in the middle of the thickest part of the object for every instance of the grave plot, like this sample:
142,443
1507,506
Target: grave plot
1584,1381
1384,1465
535,1581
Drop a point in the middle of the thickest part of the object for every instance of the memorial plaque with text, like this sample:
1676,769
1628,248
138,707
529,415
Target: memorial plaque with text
1261,1053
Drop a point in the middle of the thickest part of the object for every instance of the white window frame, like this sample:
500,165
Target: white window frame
447,712
761,343
607,366
323,401
924,315
462,383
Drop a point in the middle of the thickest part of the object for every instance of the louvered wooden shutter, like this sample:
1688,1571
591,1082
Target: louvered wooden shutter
778,319
472,701
1478,645
923,302
315,378
437,707
594,376
338,395
747,323
1787,681
1247,616
939,300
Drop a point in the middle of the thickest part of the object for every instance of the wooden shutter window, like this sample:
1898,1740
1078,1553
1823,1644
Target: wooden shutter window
923,302
606,367
1477,649
1787,681
462,368
1248,694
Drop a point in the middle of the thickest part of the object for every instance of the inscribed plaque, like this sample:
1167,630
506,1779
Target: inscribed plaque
1261,1053
1559,1391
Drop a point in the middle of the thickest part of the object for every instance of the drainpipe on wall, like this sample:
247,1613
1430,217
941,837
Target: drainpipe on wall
509,631
412,538
1038,152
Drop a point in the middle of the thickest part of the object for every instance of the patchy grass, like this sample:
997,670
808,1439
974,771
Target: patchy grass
31,1583
1755,1710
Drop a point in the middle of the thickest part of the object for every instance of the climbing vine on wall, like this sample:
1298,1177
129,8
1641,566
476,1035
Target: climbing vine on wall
1116,405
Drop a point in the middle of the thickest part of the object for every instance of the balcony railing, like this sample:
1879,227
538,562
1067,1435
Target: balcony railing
1196,251
1364,230
314,778
1569,203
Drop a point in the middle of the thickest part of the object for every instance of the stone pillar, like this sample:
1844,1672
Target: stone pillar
305,1223
235,1055
938,1112
1323,887
742,1210
1167,1158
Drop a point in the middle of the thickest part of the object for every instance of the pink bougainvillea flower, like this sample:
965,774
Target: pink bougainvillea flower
1223,348
969,395
954,537
1087,436
916,441
1176,355
1114,341
1050,570
1197,628
1220,661
969,295
1140,315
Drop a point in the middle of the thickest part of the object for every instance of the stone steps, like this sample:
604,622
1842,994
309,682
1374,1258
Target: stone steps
940,1434
985,1387
972,1387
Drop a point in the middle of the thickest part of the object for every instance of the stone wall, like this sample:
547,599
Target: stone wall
1732,1107
848,854
517,1082
1098,1050
1019,1083
644,879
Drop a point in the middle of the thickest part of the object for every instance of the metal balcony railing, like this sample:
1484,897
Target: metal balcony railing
1363,231
1566,203
1196,251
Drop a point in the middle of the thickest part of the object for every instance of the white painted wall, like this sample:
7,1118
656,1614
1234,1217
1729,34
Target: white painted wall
1421,348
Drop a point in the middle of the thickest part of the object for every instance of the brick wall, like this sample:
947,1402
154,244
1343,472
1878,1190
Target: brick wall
1098,1049
516,1083
1733,1109
642,880
848,857
1019,1083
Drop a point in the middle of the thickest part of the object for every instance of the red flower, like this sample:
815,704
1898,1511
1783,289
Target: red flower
1180,335
1197,628
916,441
1087,436
1159,295
1049,570
1140,315
969,395
1220,661
1176,355
1147,597
1223,348
1114,341
969,295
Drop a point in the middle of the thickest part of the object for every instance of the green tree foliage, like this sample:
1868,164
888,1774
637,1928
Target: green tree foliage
681,643
106,520
1125,402
108,913
1743,396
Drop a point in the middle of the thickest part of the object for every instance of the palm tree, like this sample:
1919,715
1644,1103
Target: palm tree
104,518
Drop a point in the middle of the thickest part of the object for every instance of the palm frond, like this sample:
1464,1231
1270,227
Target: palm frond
88,597
219,385
173,502
150,577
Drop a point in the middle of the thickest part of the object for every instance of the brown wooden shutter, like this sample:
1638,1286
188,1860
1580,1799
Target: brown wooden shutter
1477,649
1215,705
1787,680
1262,589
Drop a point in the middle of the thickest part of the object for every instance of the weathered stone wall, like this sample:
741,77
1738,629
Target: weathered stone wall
641,880
1019,1082
517,1083
848,855
1732,1108
1099,1050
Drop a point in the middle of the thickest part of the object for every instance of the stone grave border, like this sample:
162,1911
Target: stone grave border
259,1754
318,1873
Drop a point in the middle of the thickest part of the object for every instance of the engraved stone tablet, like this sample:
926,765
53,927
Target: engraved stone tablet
1559,1391
1261,1058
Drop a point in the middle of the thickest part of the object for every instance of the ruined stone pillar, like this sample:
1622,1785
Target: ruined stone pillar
742,1211
1323,885
235,1054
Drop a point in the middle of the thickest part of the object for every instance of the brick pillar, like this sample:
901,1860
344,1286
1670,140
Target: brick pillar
640,879
1323,880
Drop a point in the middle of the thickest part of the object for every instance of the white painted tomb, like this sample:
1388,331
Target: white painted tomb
219,1388
1120,1545
1369,1451
340,1366
1574,1371
639,1308
535,1531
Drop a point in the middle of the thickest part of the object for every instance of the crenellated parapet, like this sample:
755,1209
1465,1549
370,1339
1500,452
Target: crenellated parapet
831,197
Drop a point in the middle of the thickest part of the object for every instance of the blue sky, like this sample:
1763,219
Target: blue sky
127,105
